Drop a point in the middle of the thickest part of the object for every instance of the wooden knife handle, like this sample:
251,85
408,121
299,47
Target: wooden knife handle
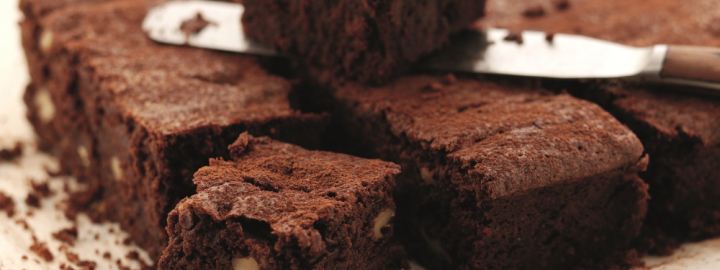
692,63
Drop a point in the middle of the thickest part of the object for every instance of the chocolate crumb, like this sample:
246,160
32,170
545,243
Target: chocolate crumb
515,37
195,25
534,12
127,241
32,200
42,189
241,145
562,5
133,255
7,205
550,38
41,250
68,235
84,264
9,154
120,265
107,255
23,224
24,257
72,257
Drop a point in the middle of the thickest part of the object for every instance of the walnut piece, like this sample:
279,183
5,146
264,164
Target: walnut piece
382,221
246,263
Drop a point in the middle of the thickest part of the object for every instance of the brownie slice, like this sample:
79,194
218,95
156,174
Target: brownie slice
133,119
680,131
278,206
359,40
500,176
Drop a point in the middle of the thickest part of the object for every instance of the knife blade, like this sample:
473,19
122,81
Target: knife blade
492,51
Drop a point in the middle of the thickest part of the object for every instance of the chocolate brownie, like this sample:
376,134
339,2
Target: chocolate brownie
502,176
278,206
359,40
133,119
680,131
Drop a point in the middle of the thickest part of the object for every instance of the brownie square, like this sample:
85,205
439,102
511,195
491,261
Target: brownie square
134,120
278,206
358,40
501,176
680,131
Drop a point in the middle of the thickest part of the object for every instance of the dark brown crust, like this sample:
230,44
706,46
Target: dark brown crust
482,154
134,119
285,207
360,40
680,131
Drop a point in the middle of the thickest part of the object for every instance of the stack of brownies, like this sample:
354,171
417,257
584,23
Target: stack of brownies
202,156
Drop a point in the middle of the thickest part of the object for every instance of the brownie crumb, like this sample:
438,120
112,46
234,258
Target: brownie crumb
23,224
562,5
120,265
68,235
41,189
133,255
241,145
195,25
534,12
514,37
24,257
32,200
84,264
7,204
41,250
106,255
72,257
12,153
550,38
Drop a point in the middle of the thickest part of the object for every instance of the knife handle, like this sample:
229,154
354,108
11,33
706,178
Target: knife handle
692,63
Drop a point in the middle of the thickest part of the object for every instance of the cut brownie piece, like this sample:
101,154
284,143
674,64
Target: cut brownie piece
133,119
501,176
278,206
681,132
360,40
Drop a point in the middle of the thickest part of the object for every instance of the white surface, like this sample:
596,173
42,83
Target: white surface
14,180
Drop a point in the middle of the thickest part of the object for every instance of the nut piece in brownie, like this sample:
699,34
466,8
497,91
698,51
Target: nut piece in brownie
500,176
359,40
681,132
133,119
279,206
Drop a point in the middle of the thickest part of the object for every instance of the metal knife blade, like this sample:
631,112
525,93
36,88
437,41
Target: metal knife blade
224,31
537,54
493,51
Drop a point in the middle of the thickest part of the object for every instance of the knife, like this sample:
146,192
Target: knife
492,51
